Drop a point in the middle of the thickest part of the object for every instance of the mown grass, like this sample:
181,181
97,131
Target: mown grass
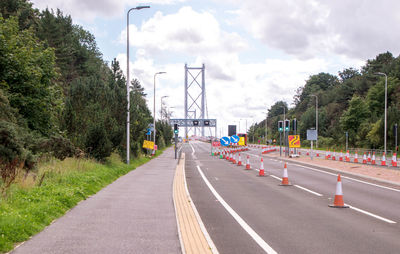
30,205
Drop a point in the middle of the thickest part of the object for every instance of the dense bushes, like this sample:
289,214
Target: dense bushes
58,98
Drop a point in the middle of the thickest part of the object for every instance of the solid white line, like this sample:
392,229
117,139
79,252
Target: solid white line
236,216
192,149
305,189
349,178
371,214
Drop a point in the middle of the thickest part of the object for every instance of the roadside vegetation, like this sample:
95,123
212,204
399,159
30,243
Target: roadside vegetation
59,98
54,187
352,101
62,119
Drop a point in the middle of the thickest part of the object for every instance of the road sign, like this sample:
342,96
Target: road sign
235,139
225,141
294,141
242,141
148,131
194,122
148,144
216,144
312,135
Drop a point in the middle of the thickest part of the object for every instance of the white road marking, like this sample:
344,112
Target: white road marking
310,191
277,178
236,216
371,214
350,178
192,149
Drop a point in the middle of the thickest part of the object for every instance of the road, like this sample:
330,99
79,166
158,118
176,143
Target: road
245,213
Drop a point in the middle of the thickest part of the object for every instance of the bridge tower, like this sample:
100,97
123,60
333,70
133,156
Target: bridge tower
195,90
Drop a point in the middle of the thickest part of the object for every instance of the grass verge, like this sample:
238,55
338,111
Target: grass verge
29,206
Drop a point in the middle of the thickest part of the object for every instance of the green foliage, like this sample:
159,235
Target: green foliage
26,73
353,101
27,211
97,143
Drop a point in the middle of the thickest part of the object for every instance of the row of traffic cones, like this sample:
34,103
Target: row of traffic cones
338,201
366,159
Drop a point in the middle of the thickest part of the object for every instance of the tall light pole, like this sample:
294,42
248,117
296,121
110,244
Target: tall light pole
154,108
128,82
383,74
161,106
266,127
316,118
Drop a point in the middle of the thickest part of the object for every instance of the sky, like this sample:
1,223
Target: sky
255,52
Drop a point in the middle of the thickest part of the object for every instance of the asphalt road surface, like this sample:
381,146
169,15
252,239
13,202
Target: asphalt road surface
245,213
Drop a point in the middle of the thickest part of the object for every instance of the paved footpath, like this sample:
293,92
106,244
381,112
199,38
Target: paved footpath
134,214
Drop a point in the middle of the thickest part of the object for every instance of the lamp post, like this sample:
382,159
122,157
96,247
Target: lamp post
154,108
266,128
128,81
316,118
383,74
161,105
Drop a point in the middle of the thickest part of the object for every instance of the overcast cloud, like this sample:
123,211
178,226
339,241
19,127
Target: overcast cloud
308,28
256,52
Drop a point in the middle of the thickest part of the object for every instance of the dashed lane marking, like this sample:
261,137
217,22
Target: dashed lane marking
371,214
350,178
308,190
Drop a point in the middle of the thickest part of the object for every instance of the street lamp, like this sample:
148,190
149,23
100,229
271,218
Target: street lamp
316,118
154,108
161,105
128,81
383,74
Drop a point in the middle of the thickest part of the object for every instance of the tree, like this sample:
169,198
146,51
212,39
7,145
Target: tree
354,116
26,74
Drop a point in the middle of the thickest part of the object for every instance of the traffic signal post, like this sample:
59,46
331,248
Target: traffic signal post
176,132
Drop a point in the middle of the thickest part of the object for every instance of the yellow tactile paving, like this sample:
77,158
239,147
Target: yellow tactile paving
192,237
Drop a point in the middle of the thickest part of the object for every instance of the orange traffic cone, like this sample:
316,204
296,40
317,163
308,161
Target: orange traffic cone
394,160
239,161
341,156
373,162
365,158
248,162
383,161
334,155
227,156
285,178
261,172
326,154
356,158
338,202
369,157
347,156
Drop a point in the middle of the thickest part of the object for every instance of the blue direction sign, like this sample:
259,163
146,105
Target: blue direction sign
235,139
225,141
148,131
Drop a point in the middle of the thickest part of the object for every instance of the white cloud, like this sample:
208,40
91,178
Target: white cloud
186,32
88,10
309,28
